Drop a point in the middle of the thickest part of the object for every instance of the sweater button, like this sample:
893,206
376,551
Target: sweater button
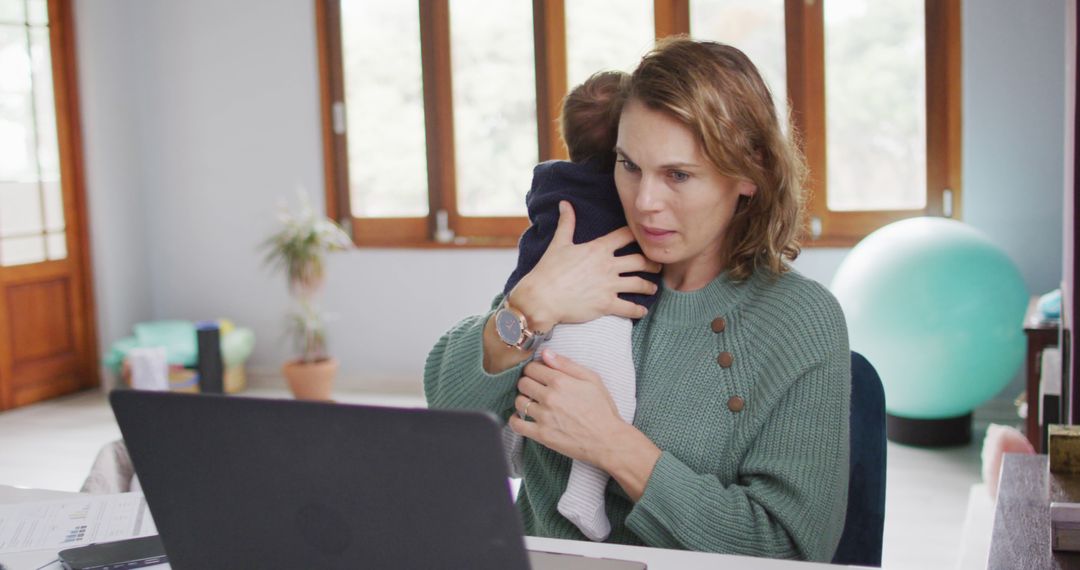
725,359
718,325
736,404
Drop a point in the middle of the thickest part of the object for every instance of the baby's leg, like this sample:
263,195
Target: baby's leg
604,346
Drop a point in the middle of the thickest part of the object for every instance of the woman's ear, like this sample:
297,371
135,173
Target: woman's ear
746,188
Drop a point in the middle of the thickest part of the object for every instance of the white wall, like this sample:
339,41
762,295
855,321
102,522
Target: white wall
226,122
117,204
1014,125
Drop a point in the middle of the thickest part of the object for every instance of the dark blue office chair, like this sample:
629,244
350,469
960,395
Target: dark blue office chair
860,544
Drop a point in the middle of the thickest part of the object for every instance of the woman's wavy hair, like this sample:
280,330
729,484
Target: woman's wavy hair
716,91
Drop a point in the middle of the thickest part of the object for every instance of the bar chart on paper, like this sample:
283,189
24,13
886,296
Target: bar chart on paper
74,522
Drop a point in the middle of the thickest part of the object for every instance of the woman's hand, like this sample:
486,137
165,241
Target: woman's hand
575,283
573,414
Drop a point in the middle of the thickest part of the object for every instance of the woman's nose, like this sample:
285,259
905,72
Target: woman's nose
649,194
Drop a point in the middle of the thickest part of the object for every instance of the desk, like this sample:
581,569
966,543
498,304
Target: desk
656,558
1040,335
1021,536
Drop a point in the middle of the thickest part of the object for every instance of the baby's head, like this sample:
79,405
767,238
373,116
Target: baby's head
589,122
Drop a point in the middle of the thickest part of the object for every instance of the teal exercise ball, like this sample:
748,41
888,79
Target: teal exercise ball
938,309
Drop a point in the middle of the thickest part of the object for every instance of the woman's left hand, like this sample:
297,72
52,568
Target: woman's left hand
571,409
573,414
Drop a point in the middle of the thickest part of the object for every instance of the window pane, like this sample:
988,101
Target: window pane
12,11
45,105
385,101
494,85
597,40
20,208
754,26
17,156
57,246
17,251
875,77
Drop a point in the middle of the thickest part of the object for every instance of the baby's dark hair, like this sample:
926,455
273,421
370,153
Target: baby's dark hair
589,121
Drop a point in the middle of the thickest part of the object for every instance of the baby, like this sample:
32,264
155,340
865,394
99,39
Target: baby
589,125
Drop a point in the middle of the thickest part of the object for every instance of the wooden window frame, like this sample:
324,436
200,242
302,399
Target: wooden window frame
805,45
805,55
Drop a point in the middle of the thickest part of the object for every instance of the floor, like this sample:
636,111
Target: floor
52,445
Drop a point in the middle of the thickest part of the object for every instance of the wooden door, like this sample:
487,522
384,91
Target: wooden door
47,340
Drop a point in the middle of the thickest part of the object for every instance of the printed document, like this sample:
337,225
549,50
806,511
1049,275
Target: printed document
78,521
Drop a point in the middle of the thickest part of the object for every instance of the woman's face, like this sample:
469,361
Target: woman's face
676,202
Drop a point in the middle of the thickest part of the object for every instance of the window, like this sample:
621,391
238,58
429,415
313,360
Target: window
595,40
387,169
494,105
435,111
837,51
756,28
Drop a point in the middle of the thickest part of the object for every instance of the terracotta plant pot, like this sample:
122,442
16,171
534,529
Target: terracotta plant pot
313,381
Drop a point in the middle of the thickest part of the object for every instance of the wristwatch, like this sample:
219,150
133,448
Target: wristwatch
513,328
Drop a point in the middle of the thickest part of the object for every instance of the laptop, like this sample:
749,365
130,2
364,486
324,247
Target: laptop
237,482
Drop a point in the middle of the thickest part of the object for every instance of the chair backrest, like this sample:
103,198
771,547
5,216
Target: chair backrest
864,525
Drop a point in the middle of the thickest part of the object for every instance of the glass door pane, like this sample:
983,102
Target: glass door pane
44,108
31,199
20,209
22,250
17,156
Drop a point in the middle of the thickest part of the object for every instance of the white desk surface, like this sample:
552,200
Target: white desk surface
655,558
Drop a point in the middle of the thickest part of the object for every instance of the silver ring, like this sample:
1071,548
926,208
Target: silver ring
525,412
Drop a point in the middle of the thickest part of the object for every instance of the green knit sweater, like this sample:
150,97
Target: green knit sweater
769,479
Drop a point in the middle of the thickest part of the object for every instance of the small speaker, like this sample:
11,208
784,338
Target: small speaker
211,367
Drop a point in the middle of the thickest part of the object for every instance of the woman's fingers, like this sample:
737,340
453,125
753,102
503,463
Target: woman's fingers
564,231
615,239
575,283
636,285
568,367
628,309
527,407
532,388
636,262
524,428
538,371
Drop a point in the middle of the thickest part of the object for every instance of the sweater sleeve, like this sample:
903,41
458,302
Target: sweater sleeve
454,375
790,497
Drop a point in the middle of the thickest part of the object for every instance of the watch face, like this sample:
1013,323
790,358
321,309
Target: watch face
508,326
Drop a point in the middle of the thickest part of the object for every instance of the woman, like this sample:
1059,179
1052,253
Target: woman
740,440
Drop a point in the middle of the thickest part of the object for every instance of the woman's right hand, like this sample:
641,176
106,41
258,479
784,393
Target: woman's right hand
576,283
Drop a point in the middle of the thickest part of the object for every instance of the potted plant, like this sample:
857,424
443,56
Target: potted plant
299,248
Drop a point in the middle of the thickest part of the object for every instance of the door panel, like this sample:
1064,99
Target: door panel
43,346
40,315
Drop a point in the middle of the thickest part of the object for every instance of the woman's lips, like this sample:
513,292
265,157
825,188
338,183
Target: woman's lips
655,234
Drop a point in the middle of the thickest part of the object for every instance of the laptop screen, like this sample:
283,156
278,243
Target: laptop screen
238,482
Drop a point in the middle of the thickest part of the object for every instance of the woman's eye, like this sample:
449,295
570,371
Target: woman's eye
679,176
627,165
